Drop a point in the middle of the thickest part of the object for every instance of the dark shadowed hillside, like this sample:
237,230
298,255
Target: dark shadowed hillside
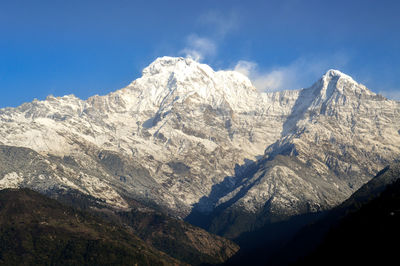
361,223
179,239
36,230
367,236
175,237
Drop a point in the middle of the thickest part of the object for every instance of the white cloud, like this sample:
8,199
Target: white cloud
263,81
245,67
298,74
199,47
274,79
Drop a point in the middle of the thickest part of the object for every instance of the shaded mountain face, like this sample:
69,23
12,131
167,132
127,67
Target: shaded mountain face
202,143
179,239
368,232
332,142
299,237
388,175
36,230
170,235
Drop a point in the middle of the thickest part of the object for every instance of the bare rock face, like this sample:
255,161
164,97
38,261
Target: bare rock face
338,135
188,139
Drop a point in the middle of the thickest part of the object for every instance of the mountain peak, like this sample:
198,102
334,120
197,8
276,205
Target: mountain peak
174,64
185,136
334,73
336,81
185,67
174,79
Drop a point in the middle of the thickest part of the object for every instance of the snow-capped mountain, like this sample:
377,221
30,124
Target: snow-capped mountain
338,135
184,136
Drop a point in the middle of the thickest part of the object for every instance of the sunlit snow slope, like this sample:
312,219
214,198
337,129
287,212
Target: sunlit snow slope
184,136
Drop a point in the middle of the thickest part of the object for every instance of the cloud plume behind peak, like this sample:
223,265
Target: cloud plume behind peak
298,74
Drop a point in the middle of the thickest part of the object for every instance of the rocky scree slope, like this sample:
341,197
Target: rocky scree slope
190,139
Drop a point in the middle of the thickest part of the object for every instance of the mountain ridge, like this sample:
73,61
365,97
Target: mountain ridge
302,235
185,137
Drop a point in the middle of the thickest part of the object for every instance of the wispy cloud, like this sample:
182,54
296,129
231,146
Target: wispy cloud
219,25
300,73
199,47
264,81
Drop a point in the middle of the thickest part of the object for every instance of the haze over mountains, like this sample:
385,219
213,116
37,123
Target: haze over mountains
204,146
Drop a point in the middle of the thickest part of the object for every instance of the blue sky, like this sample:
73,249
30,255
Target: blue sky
94,47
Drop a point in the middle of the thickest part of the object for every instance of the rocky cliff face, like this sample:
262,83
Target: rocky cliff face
338,135
183,126
186,137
